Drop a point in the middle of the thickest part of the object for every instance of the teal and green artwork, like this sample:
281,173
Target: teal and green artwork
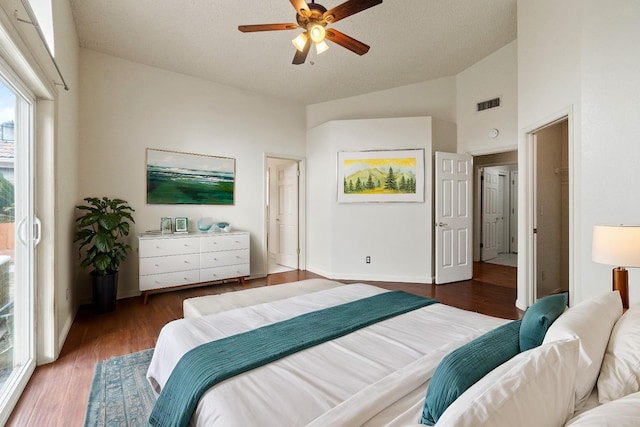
189,179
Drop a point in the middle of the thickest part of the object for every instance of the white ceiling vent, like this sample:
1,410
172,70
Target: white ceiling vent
486,105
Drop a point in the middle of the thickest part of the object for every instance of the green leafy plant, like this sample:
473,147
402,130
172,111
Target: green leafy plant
100,230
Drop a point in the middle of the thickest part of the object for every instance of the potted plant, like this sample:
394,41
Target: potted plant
100,230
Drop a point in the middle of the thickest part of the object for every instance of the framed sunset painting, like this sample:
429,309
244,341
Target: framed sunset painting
381,176
190,179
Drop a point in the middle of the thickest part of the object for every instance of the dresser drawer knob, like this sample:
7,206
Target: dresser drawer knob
157,265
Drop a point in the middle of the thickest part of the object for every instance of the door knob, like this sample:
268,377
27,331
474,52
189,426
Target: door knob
442,224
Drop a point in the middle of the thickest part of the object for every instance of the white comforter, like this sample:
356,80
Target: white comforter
375,376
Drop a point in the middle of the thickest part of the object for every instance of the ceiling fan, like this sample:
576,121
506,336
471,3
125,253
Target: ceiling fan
313,18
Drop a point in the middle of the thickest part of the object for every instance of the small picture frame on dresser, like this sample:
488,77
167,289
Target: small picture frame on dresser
182,224
166,225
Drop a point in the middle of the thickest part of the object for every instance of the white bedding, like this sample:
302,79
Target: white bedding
375,376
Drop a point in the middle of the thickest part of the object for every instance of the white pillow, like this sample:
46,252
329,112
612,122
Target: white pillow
534,388
623,412
591,321
620,370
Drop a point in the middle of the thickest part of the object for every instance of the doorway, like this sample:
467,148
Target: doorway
546,166
496,208
282,213
551,204
495,240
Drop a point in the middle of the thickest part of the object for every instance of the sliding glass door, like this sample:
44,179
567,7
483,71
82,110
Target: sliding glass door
19,233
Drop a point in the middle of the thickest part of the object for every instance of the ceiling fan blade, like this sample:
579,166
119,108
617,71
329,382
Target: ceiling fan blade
300,57
301,7
266,27
347,42
348,8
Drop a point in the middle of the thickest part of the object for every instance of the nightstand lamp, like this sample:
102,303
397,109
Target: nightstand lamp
617,245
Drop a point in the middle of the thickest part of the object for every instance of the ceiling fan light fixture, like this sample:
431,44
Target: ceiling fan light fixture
321,47
300,41
317,33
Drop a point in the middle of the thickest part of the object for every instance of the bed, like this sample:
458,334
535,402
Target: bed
378,375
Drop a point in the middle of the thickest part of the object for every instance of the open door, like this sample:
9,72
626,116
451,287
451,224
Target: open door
453,218
287,215
490,215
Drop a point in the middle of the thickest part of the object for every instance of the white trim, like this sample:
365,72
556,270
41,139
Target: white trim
302,213
526,200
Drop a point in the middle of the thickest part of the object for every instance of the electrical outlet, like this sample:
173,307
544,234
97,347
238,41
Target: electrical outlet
367,259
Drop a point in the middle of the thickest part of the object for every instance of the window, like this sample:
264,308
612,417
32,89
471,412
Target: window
17,244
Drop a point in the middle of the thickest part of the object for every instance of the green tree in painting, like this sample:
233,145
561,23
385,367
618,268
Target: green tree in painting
350,186
370,185
390,183
359,185
403,184
345,186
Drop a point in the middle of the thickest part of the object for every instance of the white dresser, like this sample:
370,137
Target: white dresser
174,260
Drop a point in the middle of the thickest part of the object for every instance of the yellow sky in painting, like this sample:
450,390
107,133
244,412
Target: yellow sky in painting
354,165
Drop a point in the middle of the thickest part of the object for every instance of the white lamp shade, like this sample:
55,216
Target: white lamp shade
321,47
616,245
300,41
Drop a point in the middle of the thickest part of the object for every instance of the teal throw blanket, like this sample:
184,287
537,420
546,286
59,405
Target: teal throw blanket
208,364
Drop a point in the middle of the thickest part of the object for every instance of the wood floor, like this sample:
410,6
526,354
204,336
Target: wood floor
57,393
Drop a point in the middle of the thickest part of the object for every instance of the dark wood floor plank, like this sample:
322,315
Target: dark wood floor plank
57,393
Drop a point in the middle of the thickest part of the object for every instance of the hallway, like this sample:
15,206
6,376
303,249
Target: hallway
495,274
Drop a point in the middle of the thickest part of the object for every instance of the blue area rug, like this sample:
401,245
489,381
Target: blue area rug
120,393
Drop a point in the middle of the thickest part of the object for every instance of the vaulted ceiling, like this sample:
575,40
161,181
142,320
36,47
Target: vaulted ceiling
411,41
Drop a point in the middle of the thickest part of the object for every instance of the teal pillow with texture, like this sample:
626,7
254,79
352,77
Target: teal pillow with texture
539,317
466,365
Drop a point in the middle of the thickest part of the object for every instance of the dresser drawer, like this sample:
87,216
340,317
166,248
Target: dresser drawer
167,246
224,242
223,258
167,264
168,280
221,273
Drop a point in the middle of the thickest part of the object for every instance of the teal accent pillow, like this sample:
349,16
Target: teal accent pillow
539,317
466,365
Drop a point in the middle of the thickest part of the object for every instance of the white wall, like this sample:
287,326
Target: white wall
494,76
397,236
610,149
434,98
128,107
66,171
583,55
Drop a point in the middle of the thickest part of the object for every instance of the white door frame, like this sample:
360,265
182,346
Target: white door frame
302,224
527,206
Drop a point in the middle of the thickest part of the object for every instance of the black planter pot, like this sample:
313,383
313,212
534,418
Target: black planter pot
105,291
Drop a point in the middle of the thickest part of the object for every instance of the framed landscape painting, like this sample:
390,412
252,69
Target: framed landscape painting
381,176
189,179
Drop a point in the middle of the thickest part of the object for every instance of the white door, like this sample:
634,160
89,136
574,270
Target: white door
453,218
489,248
19,235
287,215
